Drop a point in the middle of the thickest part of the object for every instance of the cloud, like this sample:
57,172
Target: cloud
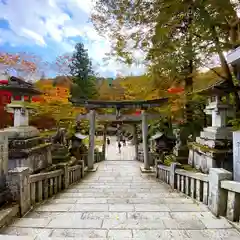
57,25
38,38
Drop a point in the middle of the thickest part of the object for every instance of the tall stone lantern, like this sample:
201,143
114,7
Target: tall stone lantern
213,148
26,148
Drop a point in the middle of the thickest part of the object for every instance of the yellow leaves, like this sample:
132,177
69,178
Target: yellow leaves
55,101
53,93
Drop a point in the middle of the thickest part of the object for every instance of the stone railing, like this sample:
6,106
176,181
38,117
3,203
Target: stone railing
75,173
192,184
28,190
44,185
216,189
163,173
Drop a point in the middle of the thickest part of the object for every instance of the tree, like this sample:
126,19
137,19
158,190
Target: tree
82,73
25,65
210,28
53,105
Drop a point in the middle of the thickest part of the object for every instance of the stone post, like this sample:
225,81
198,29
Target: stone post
91,140
65,174
135,141
49,155
19,186
104,141
172,179
217,200
145,140
236,156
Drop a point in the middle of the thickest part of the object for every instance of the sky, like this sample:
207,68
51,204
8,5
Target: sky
51,28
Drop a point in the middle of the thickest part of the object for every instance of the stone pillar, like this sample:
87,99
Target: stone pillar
173,181
145,140
135,138
217,200
236,156
49,155
19,186
104,141
66,175
91,139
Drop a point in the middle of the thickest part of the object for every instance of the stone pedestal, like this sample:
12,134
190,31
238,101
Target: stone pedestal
27,149
59,153
213,149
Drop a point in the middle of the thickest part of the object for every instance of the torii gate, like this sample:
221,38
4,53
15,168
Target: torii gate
92,105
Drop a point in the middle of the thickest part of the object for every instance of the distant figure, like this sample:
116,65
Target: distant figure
119,147
124,142
108,141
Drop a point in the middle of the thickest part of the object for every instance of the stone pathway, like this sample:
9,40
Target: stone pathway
118,202
127,152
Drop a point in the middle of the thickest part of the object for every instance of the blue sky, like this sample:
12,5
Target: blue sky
49,28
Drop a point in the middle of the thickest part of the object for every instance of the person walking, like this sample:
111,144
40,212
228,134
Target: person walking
119,147
108,141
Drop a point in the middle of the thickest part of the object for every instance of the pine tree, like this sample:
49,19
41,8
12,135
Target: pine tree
82,73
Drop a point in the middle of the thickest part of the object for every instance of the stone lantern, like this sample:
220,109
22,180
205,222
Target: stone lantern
26,148
213,148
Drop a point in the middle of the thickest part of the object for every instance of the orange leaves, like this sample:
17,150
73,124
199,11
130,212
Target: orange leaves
53,93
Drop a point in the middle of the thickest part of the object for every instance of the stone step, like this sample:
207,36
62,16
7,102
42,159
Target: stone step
7,214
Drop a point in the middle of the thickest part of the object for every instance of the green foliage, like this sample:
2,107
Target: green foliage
235,124
178,36
82,73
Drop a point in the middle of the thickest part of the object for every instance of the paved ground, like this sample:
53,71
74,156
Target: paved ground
118,202
127,152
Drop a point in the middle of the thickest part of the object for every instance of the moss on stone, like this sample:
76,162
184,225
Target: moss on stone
205,148
188,167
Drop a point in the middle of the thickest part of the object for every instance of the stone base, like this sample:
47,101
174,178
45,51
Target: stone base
216,133
23,132
202,158
151,170
94,169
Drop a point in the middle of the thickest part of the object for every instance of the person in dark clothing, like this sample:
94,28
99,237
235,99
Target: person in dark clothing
119,147
108,141
124,142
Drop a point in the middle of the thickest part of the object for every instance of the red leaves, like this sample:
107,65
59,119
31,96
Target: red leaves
175,90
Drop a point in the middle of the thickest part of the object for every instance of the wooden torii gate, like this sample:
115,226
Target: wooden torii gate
92,105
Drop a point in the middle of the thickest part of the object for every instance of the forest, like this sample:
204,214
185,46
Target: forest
184,48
